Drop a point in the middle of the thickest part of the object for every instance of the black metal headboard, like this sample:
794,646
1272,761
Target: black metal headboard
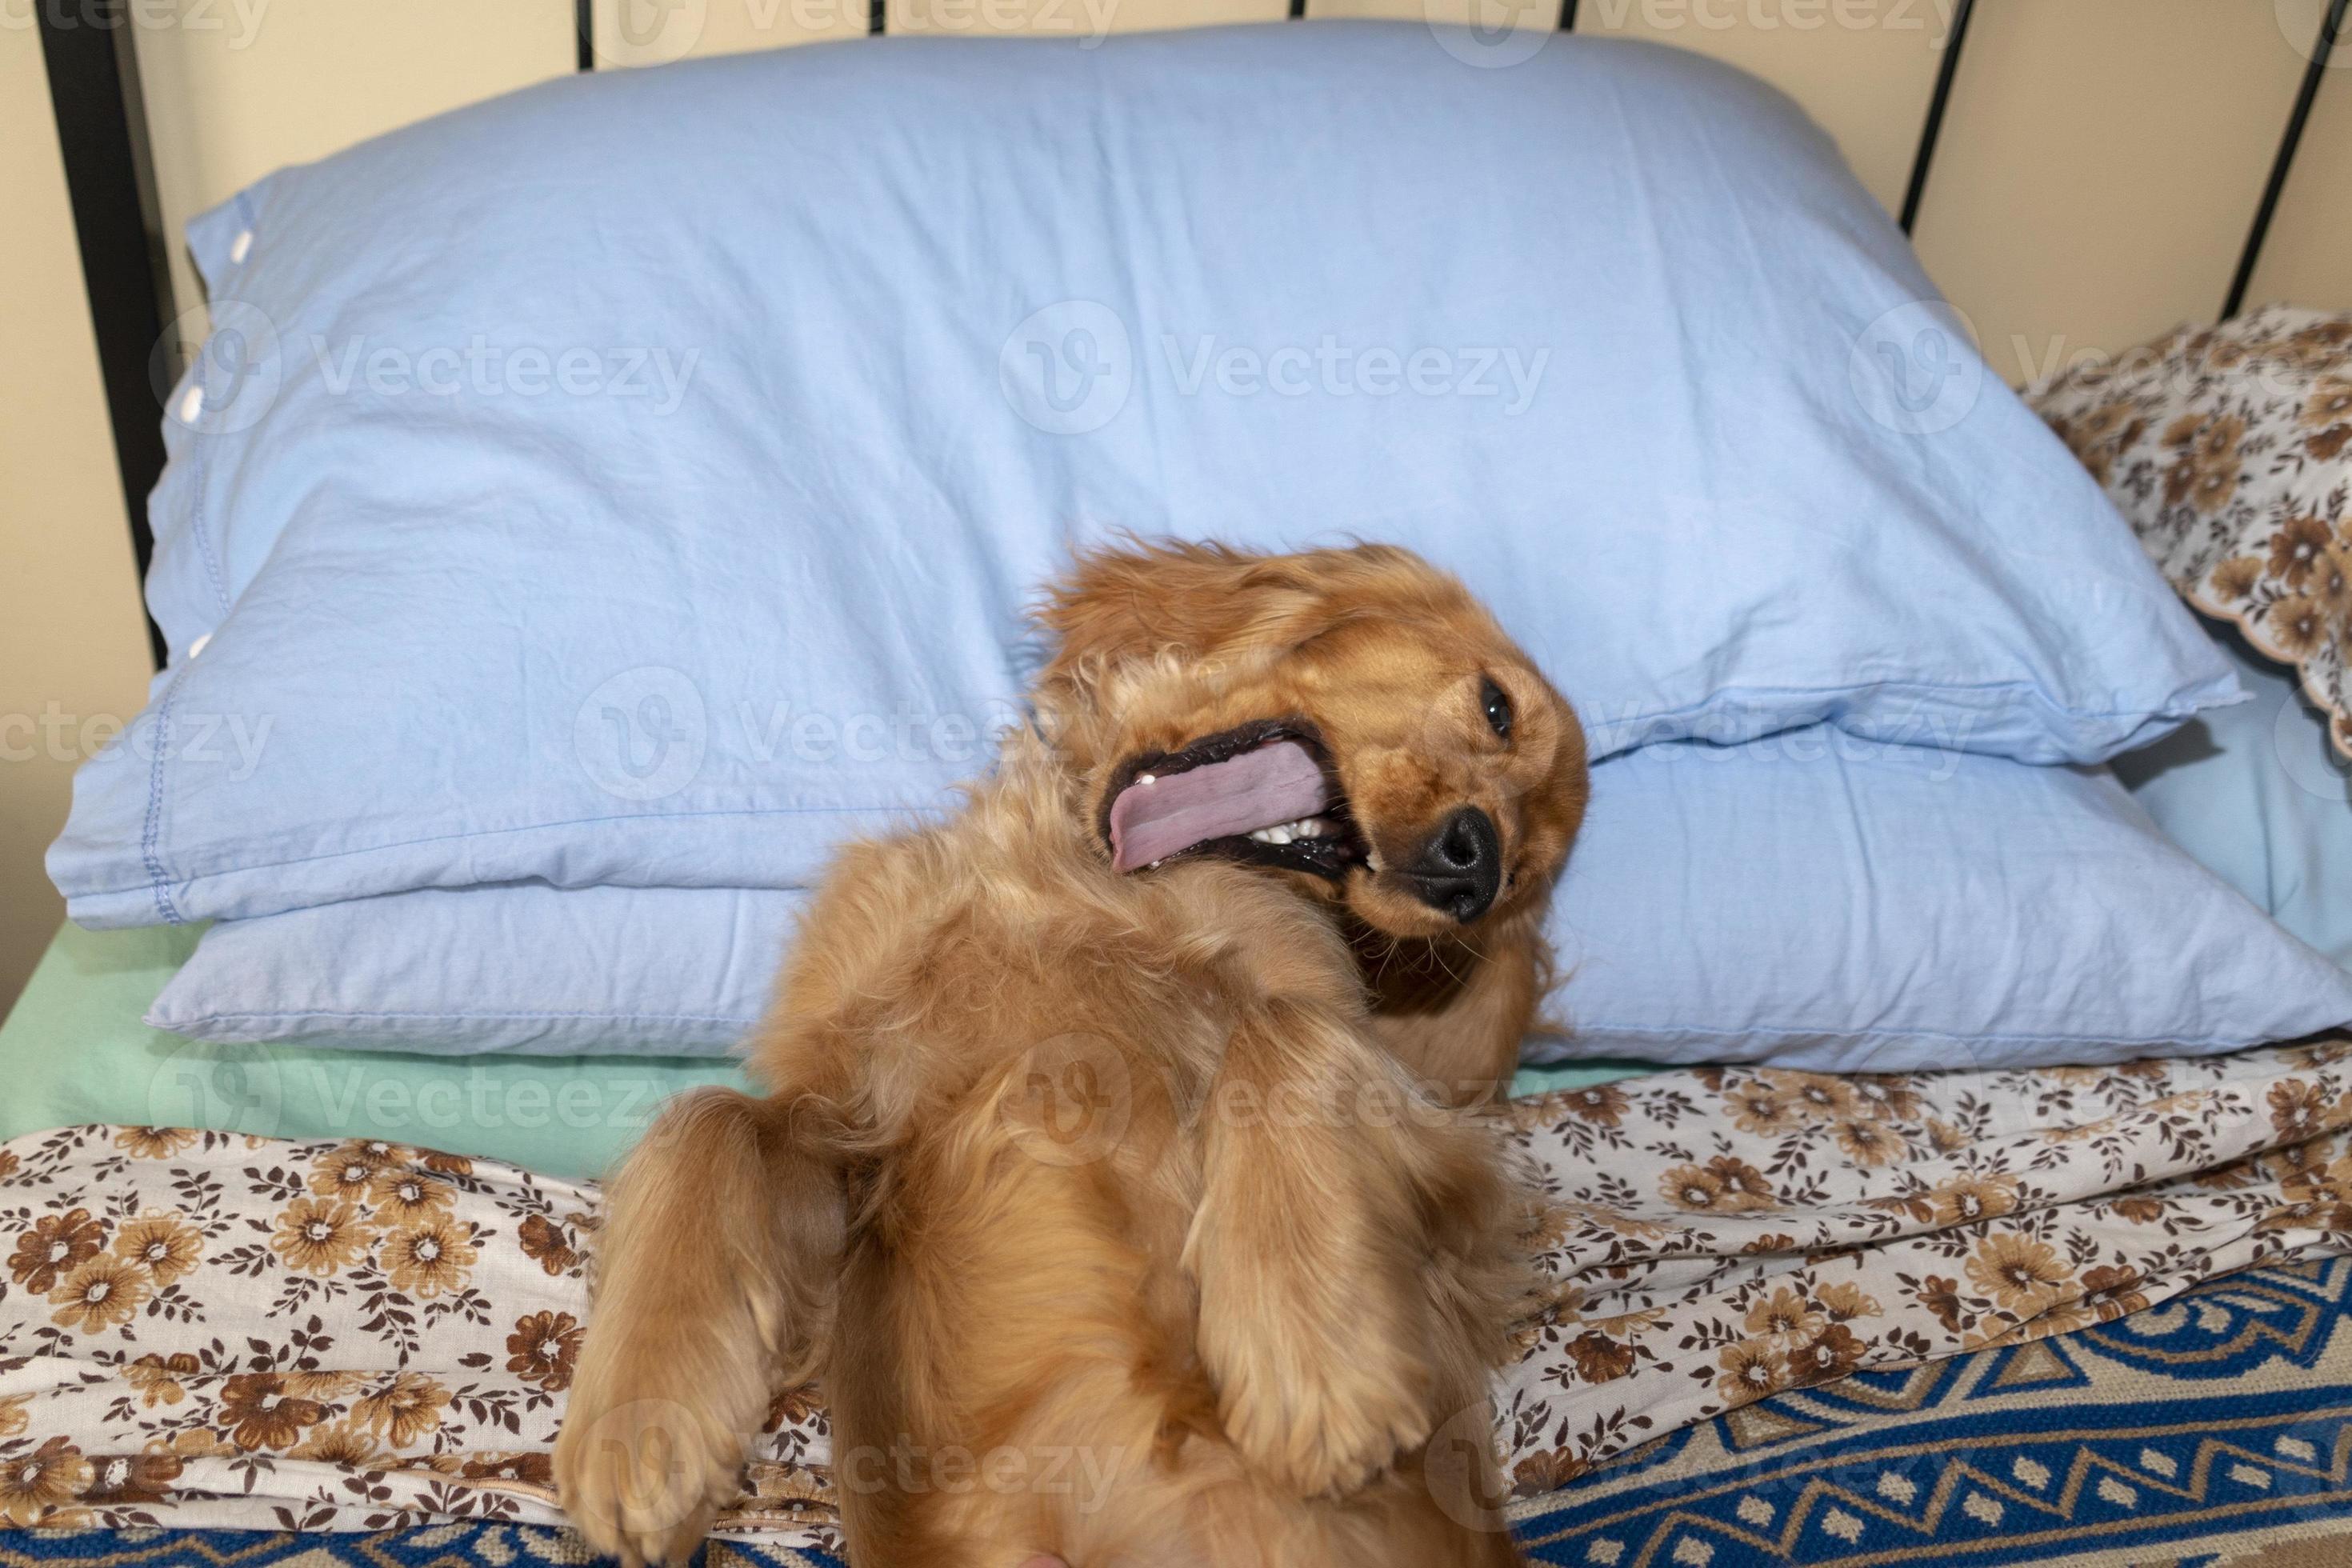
101,124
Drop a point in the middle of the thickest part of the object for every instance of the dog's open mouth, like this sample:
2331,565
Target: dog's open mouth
1263,793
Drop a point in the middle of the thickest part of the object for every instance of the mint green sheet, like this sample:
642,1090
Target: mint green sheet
73,1051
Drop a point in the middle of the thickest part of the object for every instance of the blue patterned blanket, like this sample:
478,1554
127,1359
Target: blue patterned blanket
2212,1429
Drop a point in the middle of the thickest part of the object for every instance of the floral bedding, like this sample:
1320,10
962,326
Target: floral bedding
2230,449
214,1330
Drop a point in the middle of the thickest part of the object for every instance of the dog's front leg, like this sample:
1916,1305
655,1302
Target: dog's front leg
1307,1249
720,1241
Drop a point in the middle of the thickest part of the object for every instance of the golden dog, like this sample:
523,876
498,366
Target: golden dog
1099,1181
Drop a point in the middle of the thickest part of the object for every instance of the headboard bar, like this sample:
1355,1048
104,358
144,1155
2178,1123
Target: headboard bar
1932,130
2331,29
93,72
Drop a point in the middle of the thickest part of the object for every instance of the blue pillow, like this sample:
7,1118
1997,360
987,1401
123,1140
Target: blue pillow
1820,902
639,479
520,967
1810,899
2259,795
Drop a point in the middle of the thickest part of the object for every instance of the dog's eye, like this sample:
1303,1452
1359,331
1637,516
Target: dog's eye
1496,706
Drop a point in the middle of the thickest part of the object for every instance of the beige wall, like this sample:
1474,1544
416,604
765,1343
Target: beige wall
234,91
2100,166
2309,258
71,643
2101,159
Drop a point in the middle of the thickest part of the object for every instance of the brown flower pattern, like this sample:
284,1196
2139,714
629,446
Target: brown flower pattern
54,1245
158,1378
349,1169
164,1245
431,1258
404,1411
545,1244
257,1412
320,1235
2296,625
2022,1275
2230,451
404,1197
542,1349
324,1317
105,1292
154,1142
117,1480
41,1487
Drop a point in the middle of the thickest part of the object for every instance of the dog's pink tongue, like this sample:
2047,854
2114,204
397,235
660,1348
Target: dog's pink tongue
1276,783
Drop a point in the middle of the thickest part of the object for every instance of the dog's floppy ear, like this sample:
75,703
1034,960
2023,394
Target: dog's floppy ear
1148,600
1211,604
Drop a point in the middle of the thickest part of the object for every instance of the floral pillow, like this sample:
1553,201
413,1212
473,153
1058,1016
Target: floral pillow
2230,449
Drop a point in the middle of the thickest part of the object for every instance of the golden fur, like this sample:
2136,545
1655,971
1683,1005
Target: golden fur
1125,1218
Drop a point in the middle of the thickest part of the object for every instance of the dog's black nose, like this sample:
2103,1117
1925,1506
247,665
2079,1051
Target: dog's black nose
1461,866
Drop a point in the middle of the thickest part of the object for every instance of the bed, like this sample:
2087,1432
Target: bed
566,1116
319,1297
406,1346
563,1116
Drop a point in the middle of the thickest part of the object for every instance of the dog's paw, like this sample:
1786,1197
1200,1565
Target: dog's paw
1319,1409
642,1475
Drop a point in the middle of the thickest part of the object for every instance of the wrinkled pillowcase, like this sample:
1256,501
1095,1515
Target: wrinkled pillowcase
574,490
1810,900
2258,795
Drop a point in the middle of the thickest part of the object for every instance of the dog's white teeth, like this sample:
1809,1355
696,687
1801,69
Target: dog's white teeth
1292,832
1147,778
